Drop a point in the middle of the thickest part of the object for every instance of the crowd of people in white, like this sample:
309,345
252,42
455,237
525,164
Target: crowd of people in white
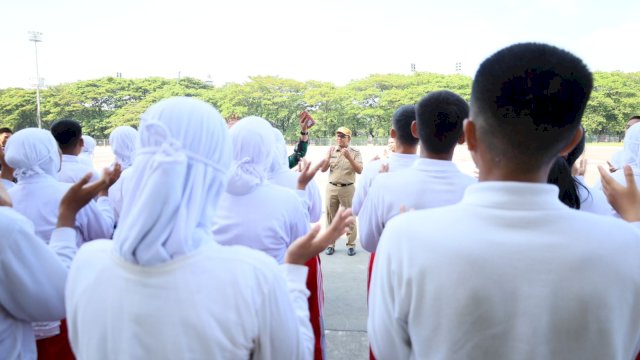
199,242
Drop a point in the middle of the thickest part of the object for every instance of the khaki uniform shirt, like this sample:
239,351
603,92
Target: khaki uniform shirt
341,171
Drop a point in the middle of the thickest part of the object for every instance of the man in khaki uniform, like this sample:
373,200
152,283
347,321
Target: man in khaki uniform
344,162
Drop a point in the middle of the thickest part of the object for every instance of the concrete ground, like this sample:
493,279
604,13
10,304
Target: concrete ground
345,314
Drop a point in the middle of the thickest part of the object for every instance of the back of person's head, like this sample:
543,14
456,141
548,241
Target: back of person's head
527,101
401,123
89,145
31,152
123,141
67,133
279,162
253,144
176,181
574,154
560,175
440,116
632,121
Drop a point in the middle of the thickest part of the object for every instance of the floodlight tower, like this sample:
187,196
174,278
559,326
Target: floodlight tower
36,37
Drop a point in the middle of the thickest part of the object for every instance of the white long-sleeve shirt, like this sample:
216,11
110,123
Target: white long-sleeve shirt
72,169
38,198
426,184
396,162
219,302
508,273
268,219
32,279
310,195
593,201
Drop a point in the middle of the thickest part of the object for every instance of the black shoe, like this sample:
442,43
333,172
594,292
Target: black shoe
330,250
351,251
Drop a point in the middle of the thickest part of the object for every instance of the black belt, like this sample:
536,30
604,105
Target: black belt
339,185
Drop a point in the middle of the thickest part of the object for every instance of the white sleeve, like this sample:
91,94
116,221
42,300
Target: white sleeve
116,197
104,205
362,187
93,224
32,271
284,328
315,202
388,308
371,220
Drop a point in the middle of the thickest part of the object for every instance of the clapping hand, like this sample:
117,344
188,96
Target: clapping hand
307,172
624,199
311,244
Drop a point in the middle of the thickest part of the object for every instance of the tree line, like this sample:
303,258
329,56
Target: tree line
365,105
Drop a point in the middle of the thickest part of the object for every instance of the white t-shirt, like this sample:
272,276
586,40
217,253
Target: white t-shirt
395,161
508,273
268,219
426,184
32,278
219,302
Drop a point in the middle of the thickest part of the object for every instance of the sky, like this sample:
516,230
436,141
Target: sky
325,40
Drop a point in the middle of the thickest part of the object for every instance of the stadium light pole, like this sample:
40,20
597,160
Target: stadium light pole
36,37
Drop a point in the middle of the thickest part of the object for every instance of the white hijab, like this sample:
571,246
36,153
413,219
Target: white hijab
32,151
124,140
280,161
253,144
86,155
631,148
177,178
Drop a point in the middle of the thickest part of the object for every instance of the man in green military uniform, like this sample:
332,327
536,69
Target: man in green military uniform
344,162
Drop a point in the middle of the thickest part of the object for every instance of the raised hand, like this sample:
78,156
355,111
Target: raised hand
346,153
624,199
579,168
80,193
307,172
5,199
311,244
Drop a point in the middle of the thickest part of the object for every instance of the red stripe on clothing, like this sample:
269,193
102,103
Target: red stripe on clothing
56,347
316,305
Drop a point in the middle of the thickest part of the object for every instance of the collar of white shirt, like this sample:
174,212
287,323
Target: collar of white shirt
424,164
70,158
513,195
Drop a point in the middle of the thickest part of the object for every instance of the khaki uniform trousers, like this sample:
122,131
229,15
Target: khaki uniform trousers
341,196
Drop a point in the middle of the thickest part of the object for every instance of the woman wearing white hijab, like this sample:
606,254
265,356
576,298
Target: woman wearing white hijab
254,212
35,156
124,141
164,288
88,148
280,174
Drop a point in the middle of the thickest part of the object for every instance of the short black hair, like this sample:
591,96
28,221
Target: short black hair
67,133
634,117
401,122
5,130
440,116
527,101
